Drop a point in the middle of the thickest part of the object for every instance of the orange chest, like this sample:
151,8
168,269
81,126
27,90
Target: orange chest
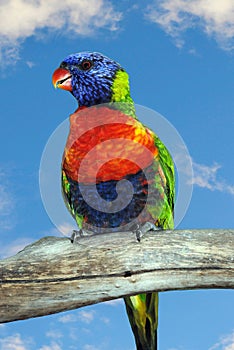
105,144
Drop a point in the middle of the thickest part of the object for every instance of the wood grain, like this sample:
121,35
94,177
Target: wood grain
53,275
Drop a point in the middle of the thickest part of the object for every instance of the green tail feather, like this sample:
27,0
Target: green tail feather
142,312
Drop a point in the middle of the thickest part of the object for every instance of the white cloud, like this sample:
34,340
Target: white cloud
214,17
202,175
52,346
206,176
7,250
229,347
105,320
21,19
90,347
54,334
6,203
82,315
86,316
15,342
67,318
114,302
9,51
30,64
225,343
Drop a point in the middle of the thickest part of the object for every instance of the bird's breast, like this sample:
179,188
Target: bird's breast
105,144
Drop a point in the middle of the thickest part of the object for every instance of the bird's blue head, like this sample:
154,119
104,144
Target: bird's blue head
92,78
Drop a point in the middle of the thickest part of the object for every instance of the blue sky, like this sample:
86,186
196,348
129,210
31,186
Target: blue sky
179,55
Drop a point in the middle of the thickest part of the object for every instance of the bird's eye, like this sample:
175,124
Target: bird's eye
86,65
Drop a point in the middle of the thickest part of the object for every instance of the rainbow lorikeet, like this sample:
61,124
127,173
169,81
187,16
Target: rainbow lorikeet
106,146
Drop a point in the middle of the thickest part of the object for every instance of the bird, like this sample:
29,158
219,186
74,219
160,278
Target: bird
116,172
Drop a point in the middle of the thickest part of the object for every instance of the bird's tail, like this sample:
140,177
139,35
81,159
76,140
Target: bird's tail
142,312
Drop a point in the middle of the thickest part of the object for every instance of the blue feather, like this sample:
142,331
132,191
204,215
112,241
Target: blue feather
91,87
94,215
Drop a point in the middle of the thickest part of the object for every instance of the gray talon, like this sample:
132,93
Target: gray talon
149,226
76,234
140,230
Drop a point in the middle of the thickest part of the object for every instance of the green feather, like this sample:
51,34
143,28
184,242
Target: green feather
120,88
142,312
165,219
66,189
142,309
121,98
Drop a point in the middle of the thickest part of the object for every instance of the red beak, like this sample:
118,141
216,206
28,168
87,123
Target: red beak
62,79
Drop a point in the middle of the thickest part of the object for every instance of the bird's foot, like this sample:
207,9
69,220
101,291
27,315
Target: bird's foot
140,230
77,234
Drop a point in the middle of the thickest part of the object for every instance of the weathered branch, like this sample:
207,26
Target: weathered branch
53,275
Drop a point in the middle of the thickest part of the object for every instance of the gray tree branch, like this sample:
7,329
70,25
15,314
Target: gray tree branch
53,275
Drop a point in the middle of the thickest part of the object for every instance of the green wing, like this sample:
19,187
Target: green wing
66,192
165,219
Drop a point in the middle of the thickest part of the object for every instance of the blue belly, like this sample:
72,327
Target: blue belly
112,218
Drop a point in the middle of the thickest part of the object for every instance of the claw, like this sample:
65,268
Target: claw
140,230
77,234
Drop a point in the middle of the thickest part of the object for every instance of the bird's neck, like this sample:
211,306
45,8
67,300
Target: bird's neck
118,96
120,88
121,93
